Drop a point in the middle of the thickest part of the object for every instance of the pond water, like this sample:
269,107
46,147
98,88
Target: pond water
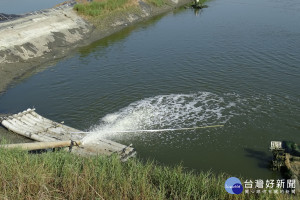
25,6
235,63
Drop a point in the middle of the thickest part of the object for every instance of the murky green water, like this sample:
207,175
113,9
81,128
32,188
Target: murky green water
235,63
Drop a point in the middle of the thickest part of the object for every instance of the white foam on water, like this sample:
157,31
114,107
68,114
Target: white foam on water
162,112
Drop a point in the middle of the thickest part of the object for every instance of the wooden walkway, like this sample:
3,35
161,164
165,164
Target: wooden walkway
32,125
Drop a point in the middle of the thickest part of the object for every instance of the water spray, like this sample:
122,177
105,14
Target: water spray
157,130
168,113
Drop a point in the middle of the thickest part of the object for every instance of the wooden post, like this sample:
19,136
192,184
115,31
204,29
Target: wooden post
41,145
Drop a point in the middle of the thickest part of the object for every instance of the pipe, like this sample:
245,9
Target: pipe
41,145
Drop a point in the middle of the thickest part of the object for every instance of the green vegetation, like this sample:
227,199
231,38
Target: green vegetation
61,175
99,7
202,1
199,4
292,148
157,3
96,8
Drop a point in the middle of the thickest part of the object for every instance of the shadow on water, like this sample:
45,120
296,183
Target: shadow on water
262,157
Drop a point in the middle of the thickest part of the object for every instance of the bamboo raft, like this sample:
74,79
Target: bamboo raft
51,134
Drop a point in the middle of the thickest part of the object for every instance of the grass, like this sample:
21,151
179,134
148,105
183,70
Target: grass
202,1
61,175
157,3
99,7
96,8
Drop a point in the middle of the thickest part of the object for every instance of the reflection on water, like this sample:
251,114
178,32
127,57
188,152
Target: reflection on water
118,37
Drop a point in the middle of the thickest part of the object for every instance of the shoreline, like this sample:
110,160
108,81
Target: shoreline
61,175
32,42
12,73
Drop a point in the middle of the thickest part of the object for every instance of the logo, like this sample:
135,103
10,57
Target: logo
233,186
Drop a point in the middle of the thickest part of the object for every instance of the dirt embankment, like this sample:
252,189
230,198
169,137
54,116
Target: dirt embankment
31,41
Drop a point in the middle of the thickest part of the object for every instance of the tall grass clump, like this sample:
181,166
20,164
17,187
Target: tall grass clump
96,8
61,175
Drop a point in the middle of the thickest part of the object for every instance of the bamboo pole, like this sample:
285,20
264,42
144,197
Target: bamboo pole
41,145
